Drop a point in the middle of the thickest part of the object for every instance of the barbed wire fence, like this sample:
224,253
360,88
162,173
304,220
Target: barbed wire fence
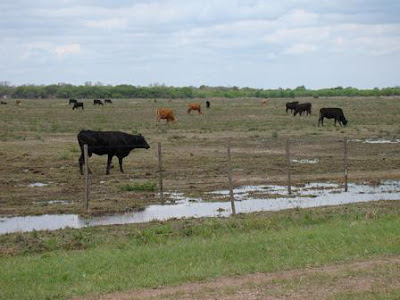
297,157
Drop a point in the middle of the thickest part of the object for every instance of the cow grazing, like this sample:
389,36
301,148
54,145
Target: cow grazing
18,102
165,114
97,102
72,101
3,102
194,106
108,101
208,104
332,113
291,106
112,143
77,105
302,107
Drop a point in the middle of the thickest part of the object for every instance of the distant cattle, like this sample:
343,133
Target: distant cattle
112,143
18,102
97,102
302,107
332,113
316,96
72,101
108,101
208,104
77,105
3,102
264,102
291,106
165,114
194,106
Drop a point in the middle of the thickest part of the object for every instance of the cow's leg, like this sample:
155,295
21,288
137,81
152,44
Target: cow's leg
81,162
120,164
109,159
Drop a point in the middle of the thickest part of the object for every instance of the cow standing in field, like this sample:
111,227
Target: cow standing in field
208,104
302,107
165,114
18,102
291,106
97,102
3,102
194,106
332,113
72,101
112,143
77,105
108,101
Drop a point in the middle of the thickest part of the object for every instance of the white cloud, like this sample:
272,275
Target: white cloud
67,49
114,23
300,49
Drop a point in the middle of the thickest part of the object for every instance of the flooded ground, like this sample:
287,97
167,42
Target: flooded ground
247,199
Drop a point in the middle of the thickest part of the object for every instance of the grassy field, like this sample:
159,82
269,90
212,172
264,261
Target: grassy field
92,261
38,144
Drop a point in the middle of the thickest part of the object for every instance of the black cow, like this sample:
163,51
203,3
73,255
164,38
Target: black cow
3,102
332,113
302,107
77,105
111,143
97,102
108,101
72,101
291,106
208,104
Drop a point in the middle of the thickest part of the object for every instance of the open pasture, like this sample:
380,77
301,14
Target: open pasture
38,144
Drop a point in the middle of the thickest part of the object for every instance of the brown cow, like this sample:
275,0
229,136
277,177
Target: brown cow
18,102
194,106
166,114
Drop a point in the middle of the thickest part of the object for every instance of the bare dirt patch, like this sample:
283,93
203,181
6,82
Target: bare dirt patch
372,277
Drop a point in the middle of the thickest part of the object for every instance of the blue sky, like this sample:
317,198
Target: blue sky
259,44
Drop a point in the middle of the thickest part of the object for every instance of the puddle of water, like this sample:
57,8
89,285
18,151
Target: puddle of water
305,161
381,141
37,184
247,199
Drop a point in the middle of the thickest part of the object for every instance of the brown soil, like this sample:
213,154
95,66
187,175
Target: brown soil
375,276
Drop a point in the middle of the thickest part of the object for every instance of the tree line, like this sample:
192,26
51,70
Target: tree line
160,91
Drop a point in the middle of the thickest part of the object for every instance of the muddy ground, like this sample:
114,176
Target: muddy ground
38,145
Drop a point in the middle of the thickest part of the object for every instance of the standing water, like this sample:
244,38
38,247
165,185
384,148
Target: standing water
247,199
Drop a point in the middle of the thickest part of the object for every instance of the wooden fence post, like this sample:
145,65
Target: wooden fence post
230,180
345,168
87,179
160,173
289,183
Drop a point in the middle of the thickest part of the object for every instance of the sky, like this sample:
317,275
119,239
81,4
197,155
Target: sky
244,43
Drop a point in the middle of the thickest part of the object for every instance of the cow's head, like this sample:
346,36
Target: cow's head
141,142
344,121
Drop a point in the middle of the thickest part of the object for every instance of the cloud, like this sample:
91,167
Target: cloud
113,23
46,50
300,49
67,49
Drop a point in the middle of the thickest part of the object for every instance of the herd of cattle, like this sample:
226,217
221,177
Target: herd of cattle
77,104
325,112
120,144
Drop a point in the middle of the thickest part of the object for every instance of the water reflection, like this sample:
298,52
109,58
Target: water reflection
247,199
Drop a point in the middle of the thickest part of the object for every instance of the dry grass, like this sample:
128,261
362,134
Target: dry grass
38,144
